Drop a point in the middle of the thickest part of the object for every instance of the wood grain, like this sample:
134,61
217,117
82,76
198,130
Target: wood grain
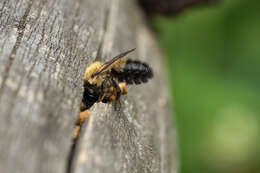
44,48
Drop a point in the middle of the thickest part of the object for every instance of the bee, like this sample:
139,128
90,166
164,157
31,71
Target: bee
107,82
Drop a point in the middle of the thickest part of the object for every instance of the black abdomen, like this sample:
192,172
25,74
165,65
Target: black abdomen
134,72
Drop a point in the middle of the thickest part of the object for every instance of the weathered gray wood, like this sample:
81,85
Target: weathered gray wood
44,47
138,138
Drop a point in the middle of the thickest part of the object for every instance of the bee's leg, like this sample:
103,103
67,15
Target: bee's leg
103,87
103,91
117,105
83,107
118,90
118,94
81,118
122,86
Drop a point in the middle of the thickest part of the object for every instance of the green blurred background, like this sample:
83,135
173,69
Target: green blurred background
213,57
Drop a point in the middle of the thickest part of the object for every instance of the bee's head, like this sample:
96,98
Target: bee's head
91,71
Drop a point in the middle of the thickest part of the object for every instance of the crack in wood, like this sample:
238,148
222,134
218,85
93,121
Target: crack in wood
20,29
107,29
98,56
75,143
2,9
109,25
100,46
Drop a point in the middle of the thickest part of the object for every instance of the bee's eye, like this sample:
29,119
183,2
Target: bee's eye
93,75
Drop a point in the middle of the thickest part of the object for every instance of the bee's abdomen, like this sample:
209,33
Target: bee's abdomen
134,72
90,96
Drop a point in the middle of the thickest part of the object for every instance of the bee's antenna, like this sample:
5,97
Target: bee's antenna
107,64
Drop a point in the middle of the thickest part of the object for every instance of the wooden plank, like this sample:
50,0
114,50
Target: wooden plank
139,137
44,48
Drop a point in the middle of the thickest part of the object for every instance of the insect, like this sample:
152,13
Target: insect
107,82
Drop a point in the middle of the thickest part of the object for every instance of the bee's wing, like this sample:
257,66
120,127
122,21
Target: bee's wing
108,63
